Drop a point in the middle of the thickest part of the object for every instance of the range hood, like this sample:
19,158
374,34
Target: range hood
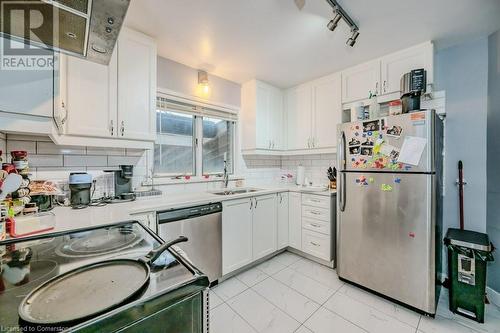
83,28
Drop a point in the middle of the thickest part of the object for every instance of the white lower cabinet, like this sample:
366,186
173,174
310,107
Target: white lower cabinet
316,244
295,220
236,234
317,226
282,216
264,226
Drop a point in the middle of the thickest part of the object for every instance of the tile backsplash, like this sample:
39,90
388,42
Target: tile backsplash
53,162
269,169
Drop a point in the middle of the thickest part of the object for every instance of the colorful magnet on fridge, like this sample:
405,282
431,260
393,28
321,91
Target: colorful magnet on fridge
369,133
371,180
397,180
386,188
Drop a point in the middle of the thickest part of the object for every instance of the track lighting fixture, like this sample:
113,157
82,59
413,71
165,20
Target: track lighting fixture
341,14
352,40
333,23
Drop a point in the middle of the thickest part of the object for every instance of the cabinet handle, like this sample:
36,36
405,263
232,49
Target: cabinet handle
315,225
314,200
315,244
315,212
123,128
385,85
256,202
376,88
112,128
281,198
251,203
309,143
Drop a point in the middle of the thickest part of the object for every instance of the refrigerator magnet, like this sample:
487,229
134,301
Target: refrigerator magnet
367,151
397,180
394,131
371,126
354,142
386,188
354,150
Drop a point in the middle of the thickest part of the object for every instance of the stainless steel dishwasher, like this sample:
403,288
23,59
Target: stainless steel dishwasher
202,225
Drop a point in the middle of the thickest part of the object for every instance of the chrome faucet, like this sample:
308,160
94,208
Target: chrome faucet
226,175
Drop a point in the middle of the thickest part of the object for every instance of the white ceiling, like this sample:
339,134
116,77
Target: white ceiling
275,42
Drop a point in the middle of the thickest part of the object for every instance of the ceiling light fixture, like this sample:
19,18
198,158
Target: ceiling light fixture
341,14
352,40
334,22
203,83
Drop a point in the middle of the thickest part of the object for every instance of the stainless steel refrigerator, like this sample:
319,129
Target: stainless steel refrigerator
389,228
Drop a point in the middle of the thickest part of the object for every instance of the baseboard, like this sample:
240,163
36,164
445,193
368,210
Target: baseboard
493,296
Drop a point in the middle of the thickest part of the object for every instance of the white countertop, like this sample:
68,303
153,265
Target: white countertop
70,219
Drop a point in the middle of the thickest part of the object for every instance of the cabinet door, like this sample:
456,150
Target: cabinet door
262,116
236,234
282,220
28,92
295,220
327,111
91,97
136,85
298,113
264,226
399,63
359,81
276,119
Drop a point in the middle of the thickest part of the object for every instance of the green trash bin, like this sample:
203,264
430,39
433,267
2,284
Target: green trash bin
468,254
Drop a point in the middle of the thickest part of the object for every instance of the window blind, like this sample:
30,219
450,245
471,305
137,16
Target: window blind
165,104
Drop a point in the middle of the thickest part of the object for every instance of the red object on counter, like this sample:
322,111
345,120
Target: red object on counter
11,229
187,177
9,168
19,154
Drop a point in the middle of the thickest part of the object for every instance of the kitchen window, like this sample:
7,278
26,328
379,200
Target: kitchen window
174,148
192,141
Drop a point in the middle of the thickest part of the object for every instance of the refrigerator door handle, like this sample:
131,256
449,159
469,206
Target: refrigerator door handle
342,174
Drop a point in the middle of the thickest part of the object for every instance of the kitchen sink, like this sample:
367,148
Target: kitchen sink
237,191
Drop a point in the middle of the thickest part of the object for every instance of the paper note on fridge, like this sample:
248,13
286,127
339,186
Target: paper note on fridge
412,150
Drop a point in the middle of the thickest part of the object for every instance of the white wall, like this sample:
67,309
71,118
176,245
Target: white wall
462,71
183,79
493,211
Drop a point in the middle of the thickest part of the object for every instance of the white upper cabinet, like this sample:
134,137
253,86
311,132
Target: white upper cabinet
359,81
136,85
91,97
395,65
299,117
27,91
262,116
327,111
117,101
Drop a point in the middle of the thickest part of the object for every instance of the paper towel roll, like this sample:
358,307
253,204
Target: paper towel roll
301,171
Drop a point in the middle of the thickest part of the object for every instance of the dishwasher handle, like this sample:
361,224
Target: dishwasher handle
189,212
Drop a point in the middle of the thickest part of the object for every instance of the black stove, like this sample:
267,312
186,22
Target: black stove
26,264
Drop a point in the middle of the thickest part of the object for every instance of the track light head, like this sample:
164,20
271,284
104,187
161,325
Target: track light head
352,40
334,22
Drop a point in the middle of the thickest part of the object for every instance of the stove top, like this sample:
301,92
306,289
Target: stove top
26,264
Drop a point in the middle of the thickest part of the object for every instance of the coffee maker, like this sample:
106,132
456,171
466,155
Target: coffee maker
413,85
123,182
80,184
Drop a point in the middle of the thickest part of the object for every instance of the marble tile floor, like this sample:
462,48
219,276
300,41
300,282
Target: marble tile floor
289,294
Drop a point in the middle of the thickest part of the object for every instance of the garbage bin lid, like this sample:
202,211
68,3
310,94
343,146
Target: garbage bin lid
469,239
